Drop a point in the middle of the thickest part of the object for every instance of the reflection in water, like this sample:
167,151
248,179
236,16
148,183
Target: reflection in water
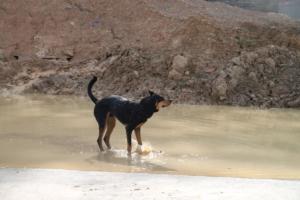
120,157
60,132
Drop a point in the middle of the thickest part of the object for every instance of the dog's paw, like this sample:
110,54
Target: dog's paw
143,150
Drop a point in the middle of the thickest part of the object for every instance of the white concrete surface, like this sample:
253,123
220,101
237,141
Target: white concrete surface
44,184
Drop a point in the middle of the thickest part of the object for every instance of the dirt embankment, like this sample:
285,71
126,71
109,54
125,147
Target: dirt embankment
192,51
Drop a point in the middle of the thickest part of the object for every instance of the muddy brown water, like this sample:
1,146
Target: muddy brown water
60,132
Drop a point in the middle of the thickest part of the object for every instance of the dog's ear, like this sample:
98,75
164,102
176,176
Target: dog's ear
150,92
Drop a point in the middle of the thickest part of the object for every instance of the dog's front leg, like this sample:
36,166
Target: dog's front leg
129,130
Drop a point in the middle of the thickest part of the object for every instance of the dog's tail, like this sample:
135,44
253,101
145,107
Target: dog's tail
91,83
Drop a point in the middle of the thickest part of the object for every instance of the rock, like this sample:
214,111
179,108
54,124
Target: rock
69,52
220,88
92,63
281,89
209,69
106,63
270,63
176,42
236,60
261,68
136,73
252,76
250,57
42,53
222,74
271,84
112,59
233,82
178,67
173,74
263,52
190,82
2,57
235,71
295,103
179,63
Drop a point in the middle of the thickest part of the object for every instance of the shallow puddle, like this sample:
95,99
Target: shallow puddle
60,132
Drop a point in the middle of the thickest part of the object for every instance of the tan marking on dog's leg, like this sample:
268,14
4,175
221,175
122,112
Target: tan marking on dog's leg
99,140
137,132
111,123
101,133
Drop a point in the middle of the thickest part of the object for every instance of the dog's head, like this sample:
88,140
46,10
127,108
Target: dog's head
155,101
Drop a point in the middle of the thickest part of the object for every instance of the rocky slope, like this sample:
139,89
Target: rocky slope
193,51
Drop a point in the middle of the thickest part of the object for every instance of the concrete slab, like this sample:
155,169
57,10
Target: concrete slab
49,184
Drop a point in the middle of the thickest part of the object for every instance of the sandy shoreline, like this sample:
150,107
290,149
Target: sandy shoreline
51,184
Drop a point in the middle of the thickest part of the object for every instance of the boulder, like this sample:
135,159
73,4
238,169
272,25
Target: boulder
295,103
236,60
252,76
179,63
220,88
270,63
2,57
175,75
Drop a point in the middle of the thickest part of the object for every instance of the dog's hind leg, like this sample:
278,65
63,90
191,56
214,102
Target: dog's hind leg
111,123
102,120
99,140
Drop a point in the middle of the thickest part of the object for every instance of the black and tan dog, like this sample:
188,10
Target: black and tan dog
132,114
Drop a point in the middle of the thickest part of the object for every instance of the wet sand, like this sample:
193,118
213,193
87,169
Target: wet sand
45,184
60,132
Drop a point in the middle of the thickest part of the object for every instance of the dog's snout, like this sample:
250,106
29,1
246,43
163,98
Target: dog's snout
168,102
